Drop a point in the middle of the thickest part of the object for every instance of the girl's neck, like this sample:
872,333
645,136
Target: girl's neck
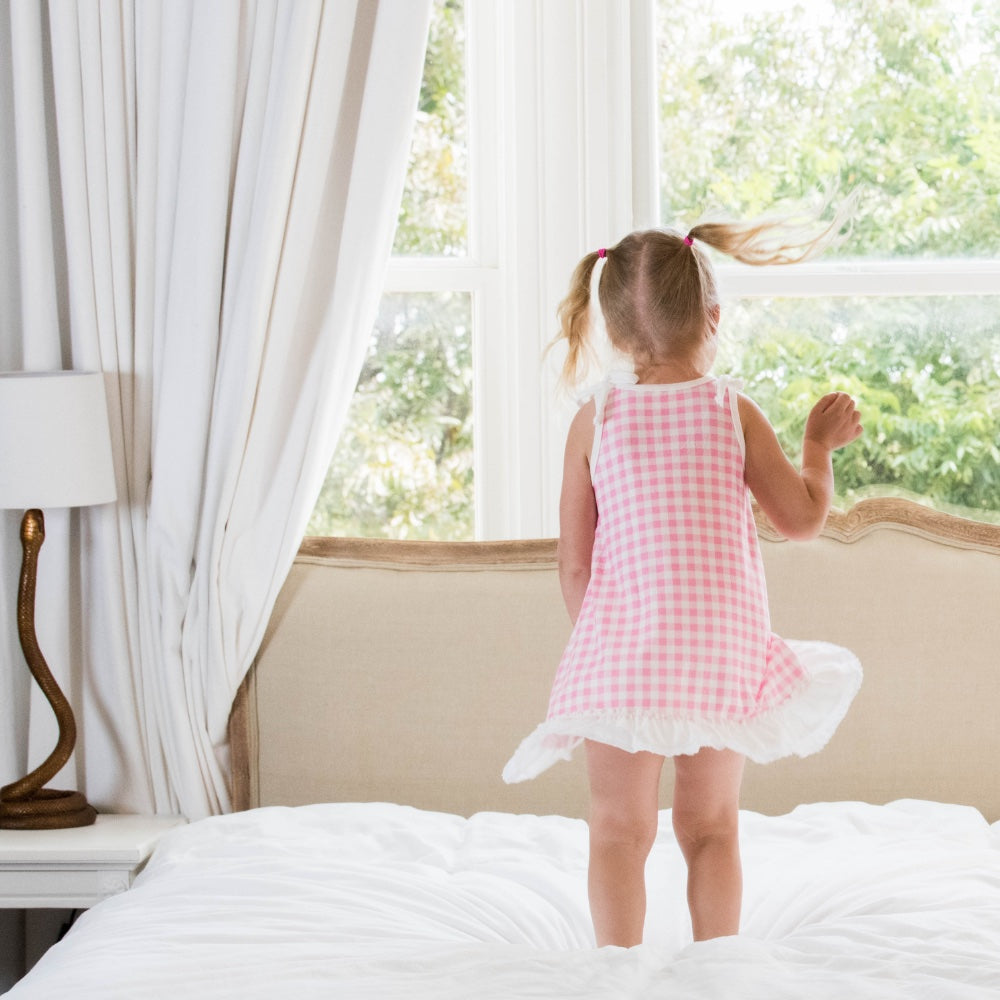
667,372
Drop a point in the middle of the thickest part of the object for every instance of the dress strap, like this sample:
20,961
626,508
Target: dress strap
599,394
728,384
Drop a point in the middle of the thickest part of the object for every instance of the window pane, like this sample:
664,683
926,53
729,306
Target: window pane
764,101
926,374
403,466
434,218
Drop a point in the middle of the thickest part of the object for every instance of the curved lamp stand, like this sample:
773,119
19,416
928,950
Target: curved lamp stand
26,804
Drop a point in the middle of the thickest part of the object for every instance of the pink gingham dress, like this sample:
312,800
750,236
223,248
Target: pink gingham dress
673,649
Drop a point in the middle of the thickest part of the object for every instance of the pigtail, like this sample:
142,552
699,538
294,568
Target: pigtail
776,239
658,291
574,322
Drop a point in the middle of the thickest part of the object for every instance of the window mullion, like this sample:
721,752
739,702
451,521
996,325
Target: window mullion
862,278
433,275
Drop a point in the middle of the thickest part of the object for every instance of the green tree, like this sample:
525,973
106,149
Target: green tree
929,400
433,220
895,98
403,467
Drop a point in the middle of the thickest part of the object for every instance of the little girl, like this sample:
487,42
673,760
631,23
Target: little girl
672,653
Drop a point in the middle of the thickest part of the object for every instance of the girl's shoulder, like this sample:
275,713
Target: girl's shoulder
581,428
580,436
750,412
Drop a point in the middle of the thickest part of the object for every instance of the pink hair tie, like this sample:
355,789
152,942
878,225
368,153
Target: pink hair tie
602,253
688,240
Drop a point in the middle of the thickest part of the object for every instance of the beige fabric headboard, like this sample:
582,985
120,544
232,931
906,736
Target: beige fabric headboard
409,671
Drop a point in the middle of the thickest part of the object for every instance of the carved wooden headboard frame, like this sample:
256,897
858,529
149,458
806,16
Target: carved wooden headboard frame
915,592
901,514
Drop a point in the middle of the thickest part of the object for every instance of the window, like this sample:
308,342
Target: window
550,127
404,464
496,210
778,100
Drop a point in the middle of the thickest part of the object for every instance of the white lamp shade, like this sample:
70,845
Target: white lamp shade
55,447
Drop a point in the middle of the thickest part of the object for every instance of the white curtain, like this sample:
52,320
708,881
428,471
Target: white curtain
202,197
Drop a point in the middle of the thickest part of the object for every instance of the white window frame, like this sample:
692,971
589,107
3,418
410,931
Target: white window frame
564,158
550,164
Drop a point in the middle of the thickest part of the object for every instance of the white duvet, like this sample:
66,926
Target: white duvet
845,901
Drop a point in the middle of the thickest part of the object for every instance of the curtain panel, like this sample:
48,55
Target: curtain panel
199,201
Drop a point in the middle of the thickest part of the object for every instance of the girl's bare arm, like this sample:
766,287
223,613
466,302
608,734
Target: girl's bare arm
577,512
797,502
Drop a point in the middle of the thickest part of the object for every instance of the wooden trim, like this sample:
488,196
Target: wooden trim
898,514
532,552
893,513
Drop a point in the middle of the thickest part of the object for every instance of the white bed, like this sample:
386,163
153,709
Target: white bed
844,900
883,881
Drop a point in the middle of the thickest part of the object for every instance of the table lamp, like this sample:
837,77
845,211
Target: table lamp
55,451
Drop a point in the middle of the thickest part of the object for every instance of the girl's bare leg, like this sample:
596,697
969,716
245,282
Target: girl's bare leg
624,800
706,821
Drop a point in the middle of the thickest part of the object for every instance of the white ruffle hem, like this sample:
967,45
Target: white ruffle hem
801,725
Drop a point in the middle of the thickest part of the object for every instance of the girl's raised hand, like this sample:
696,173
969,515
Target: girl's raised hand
834,421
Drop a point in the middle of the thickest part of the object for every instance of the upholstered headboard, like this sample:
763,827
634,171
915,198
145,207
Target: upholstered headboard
409,671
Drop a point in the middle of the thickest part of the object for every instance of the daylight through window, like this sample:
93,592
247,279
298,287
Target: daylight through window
765,103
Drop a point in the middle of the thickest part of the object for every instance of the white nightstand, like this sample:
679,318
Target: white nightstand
76,868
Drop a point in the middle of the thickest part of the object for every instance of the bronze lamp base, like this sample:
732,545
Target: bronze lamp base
26,804
47,809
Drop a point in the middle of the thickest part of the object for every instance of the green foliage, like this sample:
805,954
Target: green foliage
924,372
897,99
434,216
403,467
894,98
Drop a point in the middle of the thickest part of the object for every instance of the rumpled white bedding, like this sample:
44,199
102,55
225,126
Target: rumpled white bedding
352,901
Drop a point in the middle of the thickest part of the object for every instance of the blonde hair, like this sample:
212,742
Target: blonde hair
658,288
